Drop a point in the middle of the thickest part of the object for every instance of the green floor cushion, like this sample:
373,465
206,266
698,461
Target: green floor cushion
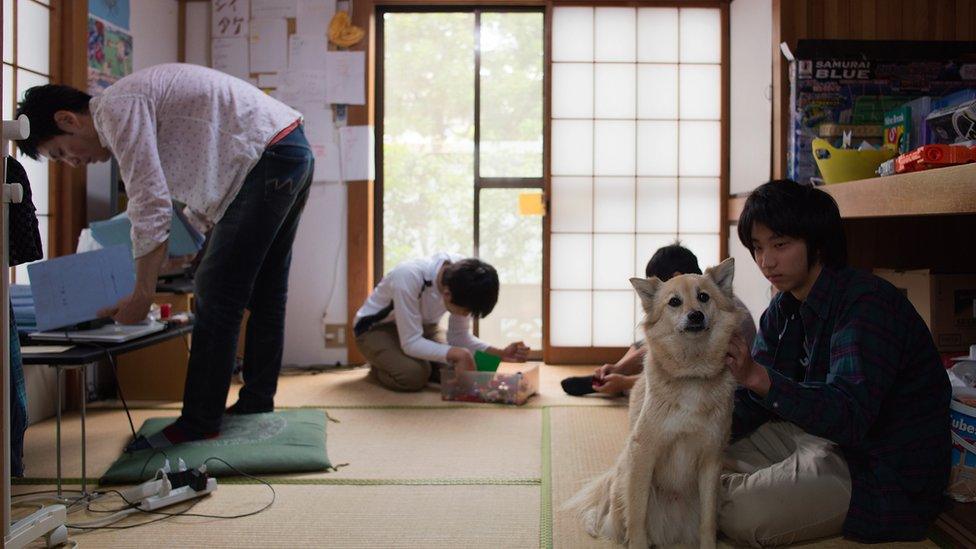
288,441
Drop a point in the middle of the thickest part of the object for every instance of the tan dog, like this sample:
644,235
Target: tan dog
663,488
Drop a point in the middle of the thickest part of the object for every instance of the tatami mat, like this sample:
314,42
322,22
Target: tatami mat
462,443
421,472
584,443
354,387
343,516
377,444
107,433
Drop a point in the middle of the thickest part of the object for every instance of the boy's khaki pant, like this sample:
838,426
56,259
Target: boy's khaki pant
781,486
392,367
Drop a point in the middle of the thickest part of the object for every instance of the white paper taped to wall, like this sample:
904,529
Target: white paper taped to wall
269,80
269,45
229,55
229,18
307,52
356,153
300,87
346,77
321,135
273,9
314,16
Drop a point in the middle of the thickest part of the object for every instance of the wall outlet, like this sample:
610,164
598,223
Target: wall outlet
335,335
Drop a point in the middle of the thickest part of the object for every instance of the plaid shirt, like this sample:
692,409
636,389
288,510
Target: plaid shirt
856,365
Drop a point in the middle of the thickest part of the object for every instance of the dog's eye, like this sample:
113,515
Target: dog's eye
674,302
703,297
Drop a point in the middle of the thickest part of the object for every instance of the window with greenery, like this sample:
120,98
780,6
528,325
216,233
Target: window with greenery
462,119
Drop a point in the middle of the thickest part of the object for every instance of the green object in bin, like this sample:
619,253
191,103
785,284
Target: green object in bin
486,362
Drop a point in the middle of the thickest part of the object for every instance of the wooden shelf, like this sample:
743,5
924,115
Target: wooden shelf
943,191
958,525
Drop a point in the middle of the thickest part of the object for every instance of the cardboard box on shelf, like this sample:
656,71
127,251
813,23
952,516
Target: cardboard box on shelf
946,302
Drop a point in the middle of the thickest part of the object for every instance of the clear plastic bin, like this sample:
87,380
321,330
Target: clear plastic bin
511,384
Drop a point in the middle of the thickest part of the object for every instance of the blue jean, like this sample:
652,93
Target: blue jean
18,403
246,266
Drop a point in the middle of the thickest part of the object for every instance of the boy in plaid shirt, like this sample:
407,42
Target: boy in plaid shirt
841,421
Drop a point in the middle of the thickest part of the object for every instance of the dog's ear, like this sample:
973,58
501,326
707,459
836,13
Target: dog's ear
722,275
646,289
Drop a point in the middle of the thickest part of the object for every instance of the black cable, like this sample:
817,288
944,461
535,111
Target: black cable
168,516
148,459
118,386
132,505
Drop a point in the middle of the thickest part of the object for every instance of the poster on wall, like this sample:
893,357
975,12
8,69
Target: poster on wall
114,12
109,54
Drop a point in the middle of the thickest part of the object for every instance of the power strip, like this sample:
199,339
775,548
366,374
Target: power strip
176,495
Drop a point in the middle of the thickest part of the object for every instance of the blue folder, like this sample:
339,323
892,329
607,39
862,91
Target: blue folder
116,231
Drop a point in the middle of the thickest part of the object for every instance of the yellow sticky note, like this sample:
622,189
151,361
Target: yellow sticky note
531,204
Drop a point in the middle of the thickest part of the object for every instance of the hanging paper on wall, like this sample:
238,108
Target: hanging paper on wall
109,54
314,16
321,134
229,55
297,88
346,77
356,153
229,18
269,45
307,52
269,80
273,9
115,12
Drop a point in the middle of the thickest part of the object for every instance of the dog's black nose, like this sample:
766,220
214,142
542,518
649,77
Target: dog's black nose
696,317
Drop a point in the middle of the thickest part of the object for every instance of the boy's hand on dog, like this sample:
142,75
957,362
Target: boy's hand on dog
750,375
459,357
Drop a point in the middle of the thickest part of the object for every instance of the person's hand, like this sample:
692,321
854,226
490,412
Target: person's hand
603,371
461,358
614,384
515,352
745,371
131,309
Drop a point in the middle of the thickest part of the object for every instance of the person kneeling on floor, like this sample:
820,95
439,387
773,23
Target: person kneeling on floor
396,328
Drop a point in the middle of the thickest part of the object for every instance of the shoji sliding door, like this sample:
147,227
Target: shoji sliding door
637,162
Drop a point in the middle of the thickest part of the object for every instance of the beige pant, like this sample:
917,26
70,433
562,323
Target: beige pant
392,367
781,486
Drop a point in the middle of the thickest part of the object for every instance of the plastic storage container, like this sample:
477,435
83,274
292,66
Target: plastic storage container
511,384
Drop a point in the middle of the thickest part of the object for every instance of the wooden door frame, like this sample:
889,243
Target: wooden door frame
361,196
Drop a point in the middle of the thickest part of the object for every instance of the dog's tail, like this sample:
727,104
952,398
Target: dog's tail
598,509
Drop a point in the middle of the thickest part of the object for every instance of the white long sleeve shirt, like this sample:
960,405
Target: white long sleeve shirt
416,296
188,133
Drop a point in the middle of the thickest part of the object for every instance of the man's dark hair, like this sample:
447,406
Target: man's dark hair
797,211
39,104
473,284
672,259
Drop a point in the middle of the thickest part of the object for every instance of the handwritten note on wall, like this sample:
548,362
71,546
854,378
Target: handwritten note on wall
229,55
230,18
269,43
346,77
